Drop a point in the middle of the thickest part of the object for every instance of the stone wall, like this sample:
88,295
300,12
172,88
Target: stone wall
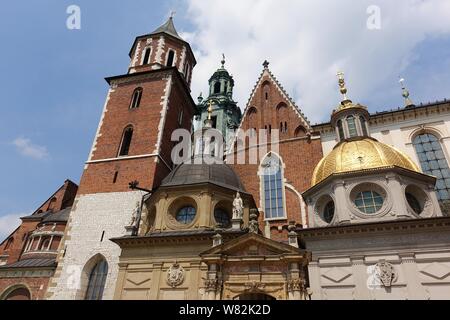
95,219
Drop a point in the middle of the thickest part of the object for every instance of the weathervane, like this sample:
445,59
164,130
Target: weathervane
172,14
223,60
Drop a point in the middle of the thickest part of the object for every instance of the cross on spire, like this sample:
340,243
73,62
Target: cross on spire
172,14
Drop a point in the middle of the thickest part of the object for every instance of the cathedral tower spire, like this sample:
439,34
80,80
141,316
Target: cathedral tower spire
225,115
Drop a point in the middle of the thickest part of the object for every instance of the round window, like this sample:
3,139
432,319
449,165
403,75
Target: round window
369,202
414,203
186,215
222,217
328,212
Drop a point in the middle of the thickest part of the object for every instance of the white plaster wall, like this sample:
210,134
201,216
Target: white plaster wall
347,277
90,216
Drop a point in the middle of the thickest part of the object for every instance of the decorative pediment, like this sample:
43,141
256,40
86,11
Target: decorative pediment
138,279
336,274
252,244
436,270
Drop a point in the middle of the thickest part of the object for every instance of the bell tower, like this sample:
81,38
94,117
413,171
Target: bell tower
133,143
226,115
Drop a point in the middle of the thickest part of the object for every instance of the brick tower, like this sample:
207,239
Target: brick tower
133,142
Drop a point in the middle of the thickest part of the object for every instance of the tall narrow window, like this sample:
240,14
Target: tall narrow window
352,126
97,280
147,54
217,87
341,130
285,127
433,162
363,122
126,141
180,117
272,187
136,98
170,58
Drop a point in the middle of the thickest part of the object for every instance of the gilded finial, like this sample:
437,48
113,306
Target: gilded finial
405,94
223,60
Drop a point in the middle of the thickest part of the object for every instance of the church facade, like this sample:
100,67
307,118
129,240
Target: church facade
356,208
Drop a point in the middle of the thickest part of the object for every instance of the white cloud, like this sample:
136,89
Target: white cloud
27,148
8,223
307,42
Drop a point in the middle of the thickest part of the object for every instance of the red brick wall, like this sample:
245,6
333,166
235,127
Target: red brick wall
170,44
299,153
64,196
98,177
33,284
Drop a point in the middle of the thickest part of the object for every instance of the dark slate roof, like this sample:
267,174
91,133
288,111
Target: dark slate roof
39,216
189,174
168,28
31,263
60,216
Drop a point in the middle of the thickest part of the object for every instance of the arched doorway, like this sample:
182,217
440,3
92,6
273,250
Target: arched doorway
17,293
254,296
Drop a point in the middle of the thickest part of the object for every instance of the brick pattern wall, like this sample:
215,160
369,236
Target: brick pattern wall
299,151
36,285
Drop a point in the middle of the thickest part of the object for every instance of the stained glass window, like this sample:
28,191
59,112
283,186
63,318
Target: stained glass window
186,215
433,162
97,280
273,187
369,202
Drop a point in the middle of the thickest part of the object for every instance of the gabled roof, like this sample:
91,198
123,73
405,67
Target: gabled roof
266,71
236,244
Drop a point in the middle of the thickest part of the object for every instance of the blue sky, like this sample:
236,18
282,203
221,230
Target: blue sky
53,89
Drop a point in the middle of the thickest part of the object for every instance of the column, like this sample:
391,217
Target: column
398,207
50,243
341,201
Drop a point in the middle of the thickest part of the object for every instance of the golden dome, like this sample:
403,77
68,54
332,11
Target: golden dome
362,154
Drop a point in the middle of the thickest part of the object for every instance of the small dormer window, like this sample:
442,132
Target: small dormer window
170,58
147,54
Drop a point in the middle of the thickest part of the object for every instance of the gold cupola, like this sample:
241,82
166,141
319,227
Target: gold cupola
356,150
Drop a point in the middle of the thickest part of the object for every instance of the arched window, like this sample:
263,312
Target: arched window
340,130
285,127
363,122
126,142
433,162
352,126
97,280
222,217
272,187
300,131
147,54
136,98
217,87
170,58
